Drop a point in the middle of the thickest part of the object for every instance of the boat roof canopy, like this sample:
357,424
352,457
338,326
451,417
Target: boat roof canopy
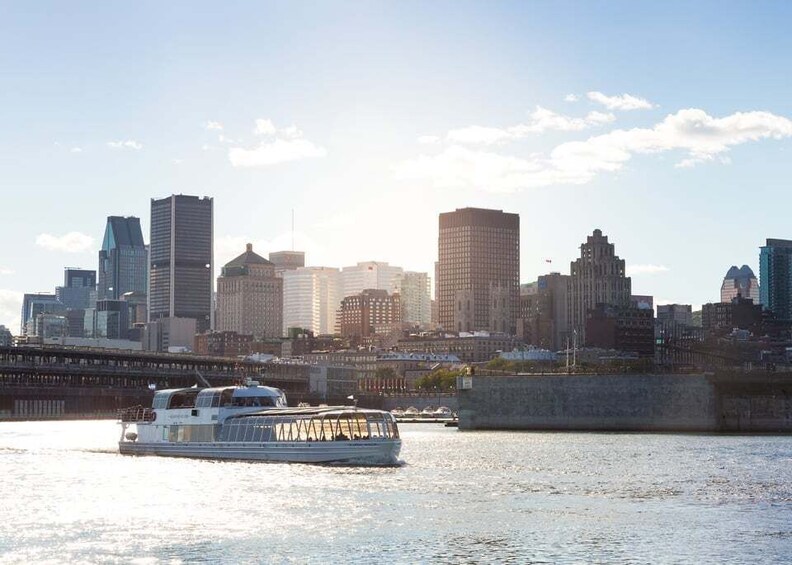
237,391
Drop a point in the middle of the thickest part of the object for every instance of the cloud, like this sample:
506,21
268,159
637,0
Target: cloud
272,153
210,125
265,127
4,271
540,120
646,269
571,98
461,167
76,150
128,144
701,136
623,102
429,139
10,307
284,144
72,242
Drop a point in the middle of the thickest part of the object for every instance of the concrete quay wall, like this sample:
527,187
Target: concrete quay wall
629,402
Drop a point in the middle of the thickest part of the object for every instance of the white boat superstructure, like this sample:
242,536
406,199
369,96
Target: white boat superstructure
254,423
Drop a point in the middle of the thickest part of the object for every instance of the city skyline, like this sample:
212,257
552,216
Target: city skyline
406,126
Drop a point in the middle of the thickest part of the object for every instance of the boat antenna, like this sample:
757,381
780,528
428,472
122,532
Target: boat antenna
201,379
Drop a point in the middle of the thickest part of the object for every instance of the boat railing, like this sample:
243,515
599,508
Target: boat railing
136,414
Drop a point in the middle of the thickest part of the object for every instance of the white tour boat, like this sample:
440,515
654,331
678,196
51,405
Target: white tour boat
253,423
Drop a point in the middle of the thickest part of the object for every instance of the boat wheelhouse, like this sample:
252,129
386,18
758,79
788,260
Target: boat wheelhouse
254,423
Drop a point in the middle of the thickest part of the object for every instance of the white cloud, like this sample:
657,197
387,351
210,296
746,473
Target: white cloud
694,131
128,144
571,98
274,152
287,145
461,167
540,120
265,127
72,242
210,125
646,269
178,161
701,136
76,150
10,306
429,139
4,271
623,102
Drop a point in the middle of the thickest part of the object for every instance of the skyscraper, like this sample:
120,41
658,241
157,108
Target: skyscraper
775,278
250,297
596,277
181,259
311,298
370,275
740,282
79,289
123,261
416,300
37,303
287,260
479,270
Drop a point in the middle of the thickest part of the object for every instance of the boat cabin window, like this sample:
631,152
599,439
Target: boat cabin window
319,427
239,401
160,401
208,399
183,399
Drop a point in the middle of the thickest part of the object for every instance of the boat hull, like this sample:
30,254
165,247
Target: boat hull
344,452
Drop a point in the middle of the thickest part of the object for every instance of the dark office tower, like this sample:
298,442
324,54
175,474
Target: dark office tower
479,270
775,278
79,289
180,284
123,262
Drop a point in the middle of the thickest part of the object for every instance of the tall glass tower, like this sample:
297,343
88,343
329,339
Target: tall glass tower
775,278
123,261
181,259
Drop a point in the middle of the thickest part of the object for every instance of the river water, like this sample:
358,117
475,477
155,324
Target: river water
459,497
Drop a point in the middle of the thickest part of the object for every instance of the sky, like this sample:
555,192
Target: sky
667,125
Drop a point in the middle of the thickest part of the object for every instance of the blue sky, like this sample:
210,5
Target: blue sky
370,118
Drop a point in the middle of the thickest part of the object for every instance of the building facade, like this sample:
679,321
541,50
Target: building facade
373,312
311,298
287,261
740,282
720,318
37,303
414,289
79,289
181,259
123,259
250,297
775,278
370,275
623,328
597,277
478,270
543,311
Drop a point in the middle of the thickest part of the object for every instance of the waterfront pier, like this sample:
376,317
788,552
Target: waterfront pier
731,402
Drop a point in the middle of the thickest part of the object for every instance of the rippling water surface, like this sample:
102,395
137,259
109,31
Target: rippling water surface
459,497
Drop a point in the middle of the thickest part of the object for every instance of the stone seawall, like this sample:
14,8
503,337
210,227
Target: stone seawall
629,402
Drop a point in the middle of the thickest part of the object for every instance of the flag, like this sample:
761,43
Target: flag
548,260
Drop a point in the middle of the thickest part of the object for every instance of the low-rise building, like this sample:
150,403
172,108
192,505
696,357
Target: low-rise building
623,328
475,347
